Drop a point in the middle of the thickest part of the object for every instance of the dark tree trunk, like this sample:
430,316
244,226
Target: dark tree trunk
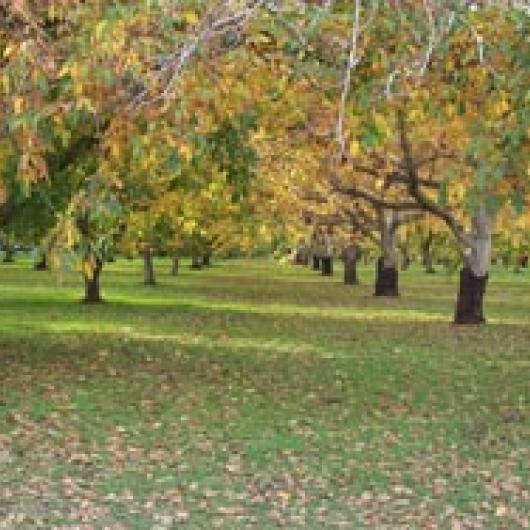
42,264
149,269
92,288
523,262
470,303
196,263
350,272
327,265
316,263
386,283
206,260
175,266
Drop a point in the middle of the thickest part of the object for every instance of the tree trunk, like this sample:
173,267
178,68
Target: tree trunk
196,263
175,266
386,283
42,264
302,255
327,257
92,287
474,275
428,261
327,265
206,260
149,269
427,255
351,256
350,272
316,262
469,305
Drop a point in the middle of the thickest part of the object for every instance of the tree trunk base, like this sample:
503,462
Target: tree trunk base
41,265
470,303
350,273
327,266
92,293
316,263
175,267
386,283
92,287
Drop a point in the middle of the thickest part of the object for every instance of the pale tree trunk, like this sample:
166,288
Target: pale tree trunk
327,256
149,269
474,275
91,275
351,255
387,272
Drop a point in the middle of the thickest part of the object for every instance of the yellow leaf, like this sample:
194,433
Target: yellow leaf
190,17
355,148
18,104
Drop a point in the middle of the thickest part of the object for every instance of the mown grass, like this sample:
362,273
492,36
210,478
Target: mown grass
258,395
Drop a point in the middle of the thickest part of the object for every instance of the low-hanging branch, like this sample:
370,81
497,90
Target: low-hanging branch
414,186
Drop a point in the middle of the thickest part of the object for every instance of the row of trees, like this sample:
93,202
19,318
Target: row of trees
193,126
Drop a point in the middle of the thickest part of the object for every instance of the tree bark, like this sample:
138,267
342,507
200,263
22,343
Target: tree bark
302,255
469,306
92,286
327,265
386,283
149,269
428,262
175,266
474,275
206,260
351,256
316,262
427,255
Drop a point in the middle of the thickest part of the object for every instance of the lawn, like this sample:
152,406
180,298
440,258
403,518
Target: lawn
259,395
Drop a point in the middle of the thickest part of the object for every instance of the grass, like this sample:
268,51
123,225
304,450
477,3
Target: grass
255,395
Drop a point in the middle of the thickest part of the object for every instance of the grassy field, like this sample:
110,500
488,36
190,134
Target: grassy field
255,395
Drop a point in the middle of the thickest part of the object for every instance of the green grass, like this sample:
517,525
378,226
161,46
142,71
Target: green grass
255,395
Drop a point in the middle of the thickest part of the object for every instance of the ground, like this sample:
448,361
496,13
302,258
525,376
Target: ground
260,395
